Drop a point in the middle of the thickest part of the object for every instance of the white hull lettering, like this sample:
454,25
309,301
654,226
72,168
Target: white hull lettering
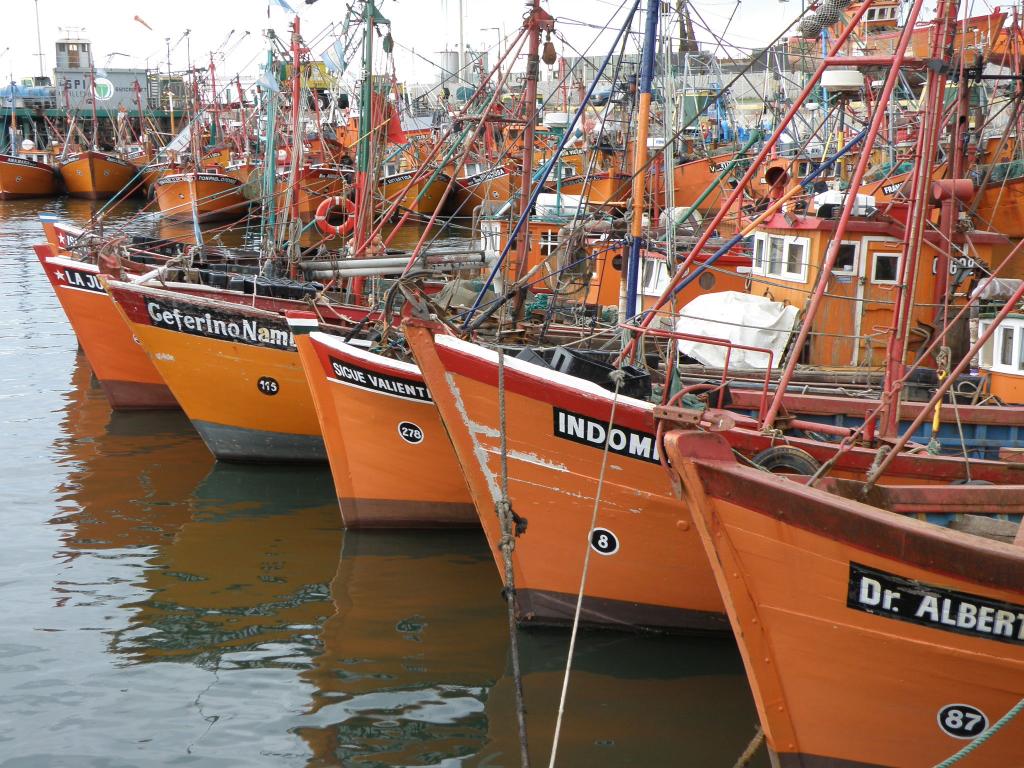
396,386
895,597
79,280
621,440
245,330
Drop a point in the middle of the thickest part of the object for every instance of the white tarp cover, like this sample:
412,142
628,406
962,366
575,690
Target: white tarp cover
998,289
740,318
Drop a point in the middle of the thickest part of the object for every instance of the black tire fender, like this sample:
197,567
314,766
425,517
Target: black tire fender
785,459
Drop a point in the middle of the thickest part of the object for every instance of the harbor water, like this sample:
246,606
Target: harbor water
163,609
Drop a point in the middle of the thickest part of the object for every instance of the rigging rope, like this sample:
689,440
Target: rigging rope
618,376
506,518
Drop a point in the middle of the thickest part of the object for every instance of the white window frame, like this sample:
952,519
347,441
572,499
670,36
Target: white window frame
986,357
1001,333
800,275
548,242
874,260
853,270
757,261
990,355
764,268
768,256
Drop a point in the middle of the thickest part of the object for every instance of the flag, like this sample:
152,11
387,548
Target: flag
268,82
143,23
384,110
334,58
331,64
283,6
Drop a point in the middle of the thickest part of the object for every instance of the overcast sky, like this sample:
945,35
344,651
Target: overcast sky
423,26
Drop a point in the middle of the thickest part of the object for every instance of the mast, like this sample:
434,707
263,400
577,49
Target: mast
95,121
462,51
537,21
243,118
364,192
293,178
668,79
215,131
895,63
927,146
39,43
138,103
631,275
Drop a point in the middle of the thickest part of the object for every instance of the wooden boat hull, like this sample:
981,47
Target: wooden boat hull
693,178
317,183
655,576
234,370
20,178
604,188
491,188
378,423
215,196
422,197
121,366
96,175
1001,208
869,639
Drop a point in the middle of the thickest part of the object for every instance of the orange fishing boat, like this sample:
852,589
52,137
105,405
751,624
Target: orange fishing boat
152,172
316,184
232,368
376,415
607,188
491,186
869,638
21,177
557,428
121,366
96,175
692,178
648,568
422,197
214,196
1001,204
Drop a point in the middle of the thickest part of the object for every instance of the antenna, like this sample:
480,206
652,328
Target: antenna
39,42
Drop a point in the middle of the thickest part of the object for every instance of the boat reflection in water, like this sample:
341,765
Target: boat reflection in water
414,671
239,634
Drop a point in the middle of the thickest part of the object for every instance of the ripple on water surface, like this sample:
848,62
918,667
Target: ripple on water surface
165,610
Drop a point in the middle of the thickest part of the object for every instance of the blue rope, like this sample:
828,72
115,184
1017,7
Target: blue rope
983,737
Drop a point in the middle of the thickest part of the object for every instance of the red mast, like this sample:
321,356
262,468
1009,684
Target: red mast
927,145
535,23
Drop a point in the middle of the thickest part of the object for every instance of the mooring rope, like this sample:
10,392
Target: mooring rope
618,376
748,754
983,737
508,543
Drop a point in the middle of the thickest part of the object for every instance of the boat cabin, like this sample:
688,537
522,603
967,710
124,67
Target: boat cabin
1002,358
855,317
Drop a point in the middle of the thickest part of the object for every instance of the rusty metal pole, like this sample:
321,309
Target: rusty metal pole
851,200
945,27
538,20
755,164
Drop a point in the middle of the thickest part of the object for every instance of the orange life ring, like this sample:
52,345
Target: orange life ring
326,206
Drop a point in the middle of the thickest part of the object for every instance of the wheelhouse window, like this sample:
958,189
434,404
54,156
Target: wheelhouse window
985,355
795,258
775,248
1006,335
886,268
758,264
846,259
548,242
